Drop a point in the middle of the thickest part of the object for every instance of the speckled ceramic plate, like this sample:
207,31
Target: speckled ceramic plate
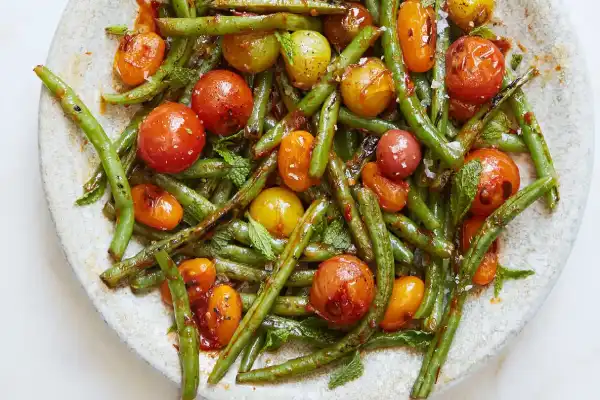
82,54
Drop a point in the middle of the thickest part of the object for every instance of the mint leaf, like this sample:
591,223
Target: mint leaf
485,32
351,369
464,189
516,60
221,237
240,165
496,127
260,238
337,235
287,46
503,274
275,339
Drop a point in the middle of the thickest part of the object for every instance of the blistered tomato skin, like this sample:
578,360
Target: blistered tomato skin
139,57
278,209
199,272
310,59
469,14
417,32
461,111
499,180
398,154
155,207
486,271
223,102
171,138
367,87
341,29
391,194
474,69
294,160
223,313
342,290
251,52
407,294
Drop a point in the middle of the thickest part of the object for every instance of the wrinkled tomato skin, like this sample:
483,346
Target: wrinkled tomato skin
486,271
461,111
171,138
199,274
474,69
407,294
154,207
417,32
223,313
398,154
341,29
391,194
294,160
342,290
499,180
223,102
139,57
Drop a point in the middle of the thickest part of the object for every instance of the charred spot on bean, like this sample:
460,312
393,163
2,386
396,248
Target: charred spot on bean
77,108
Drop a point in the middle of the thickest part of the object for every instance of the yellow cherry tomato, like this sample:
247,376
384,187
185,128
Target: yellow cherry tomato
469,14
407,295
251,52
310,56
277,209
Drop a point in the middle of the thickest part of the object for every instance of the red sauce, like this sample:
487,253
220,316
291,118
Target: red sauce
207,340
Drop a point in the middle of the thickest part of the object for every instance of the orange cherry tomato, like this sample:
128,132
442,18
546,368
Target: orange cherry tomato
341,29
294,159
474,69
391,194
461,111
223,313
139,57
165,293
155,207
407,294
223,101
499,180
198,272
417,32
342,290
147,12
486,272
171,138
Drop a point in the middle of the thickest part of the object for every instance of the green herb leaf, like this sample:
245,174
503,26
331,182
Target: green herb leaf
485,32
516,60
180,77
240,165
427,3
351,369
275,339
337,235
93,195
496,127
503,274
464,189
287,45
260,238
221,237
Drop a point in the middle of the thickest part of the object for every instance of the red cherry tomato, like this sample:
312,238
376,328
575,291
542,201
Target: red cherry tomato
223,101
398,154
461,111
474,69
486,271
499,180
391,194
171,138
341,29
342,290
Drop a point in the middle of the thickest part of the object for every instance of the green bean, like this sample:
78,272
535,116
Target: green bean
210,63
374,9
419,209
273,285
118,30
222,193
425,240
138,229
366,327
207,186
186,329
317,252
423,88
316,336
81,115
262,90
310,7
286,306
373,125
508,142
345,142
401,252
439,100
253,186
364,154
205,168
289,94
416,339
252,351
409,104
324,139
238,254
534,139
228,25
317,95
348,208
146,281
492,227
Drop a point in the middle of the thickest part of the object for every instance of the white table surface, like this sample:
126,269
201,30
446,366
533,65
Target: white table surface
53,344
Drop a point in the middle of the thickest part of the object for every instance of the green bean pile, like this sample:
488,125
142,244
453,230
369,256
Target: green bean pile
309,171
